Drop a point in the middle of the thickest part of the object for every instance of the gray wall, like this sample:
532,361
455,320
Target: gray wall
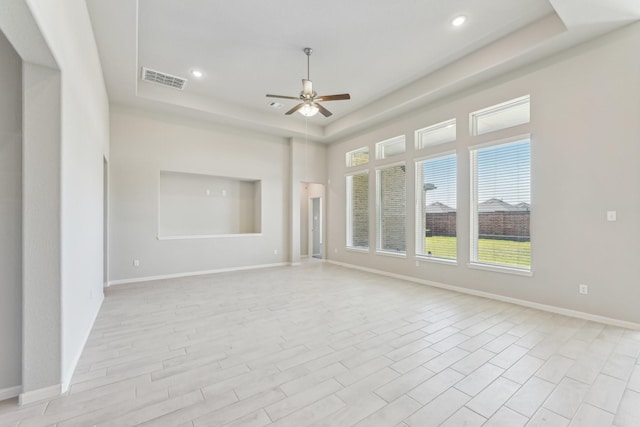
10,216
142,145
585,132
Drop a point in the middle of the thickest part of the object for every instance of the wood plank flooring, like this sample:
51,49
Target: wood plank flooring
327,346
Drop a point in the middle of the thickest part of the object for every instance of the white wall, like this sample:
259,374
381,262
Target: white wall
10,216
84,144
144,144
585,151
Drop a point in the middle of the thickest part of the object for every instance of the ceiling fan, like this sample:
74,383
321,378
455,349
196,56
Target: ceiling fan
310,99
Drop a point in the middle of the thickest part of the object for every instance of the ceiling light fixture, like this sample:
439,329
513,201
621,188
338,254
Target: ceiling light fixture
309,110
196,73
458,20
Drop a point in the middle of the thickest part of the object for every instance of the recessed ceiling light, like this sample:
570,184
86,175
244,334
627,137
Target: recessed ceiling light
458,20
196,73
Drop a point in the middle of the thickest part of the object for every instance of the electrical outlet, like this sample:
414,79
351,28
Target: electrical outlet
583,289
275,252
136,263
611,215
335,250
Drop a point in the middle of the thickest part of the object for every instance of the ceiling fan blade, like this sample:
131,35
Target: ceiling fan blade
340,97
294,109
323,110
283,97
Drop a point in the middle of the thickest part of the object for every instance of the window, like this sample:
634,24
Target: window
358,157
358,210
436,207
440,133
501,116
391,204
390,147
500,204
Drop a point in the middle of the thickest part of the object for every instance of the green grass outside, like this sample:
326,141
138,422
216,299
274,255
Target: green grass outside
501,252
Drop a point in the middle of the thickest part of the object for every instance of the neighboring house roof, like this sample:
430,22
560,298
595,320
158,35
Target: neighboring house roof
438,207
496,205
523,206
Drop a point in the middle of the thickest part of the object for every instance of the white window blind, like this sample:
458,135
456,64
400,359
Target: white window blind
391,204
501,204
358,210
436,209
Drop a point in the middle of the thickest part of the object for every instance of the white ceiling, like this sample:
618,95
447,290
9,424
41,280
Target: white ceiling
389,55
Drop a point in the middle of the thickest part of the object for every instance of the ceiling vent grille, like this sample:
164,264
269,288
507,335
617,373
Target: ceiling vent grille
163,79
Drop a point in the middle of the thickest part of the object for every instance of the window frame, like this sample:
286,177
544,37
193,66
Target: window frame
349,208
349,157
437,126
420,202
379,231
503,106
473,209
380,147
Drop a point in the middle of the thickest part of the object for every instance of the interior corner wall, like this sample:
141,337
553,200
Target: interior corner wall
308,190
84,135
585,132
143,145
10,217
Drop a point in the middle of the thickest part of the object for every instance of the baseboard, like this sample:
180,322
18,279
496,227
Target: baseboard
194,273
10,392
66,382
497,297
39,394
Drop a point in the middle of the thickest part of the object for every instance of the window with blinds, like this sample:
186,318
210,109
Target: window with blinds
391,208
358,157
436,208
501,203
358,210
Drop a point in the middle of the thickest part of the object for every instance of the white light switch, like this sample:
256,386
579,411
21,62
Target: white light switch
611,215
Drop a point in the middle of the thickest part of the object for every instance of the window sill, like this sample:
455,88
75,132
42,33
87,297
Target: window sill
498,269
392,254
207,236
444,261
357,249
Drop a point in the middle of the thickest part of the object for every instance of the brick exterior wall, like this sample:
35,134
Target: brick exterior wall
360,210
393,208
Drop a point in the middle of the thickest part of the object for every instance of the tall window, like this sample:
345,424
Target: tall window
436,207
500,204
391,204
358,210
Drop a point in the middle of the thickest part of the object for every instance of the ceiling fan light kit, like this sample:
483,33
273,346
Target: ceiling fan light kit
310,100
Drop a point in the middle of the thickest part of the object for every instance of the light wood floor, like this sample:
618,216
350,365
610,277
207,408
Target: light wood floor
324,345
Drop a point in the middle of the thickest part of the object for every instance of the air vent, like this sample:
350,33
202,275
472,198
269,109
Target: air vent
163,79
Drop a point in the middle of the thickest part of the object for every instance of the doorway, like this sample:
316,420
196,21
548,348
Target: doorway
312,220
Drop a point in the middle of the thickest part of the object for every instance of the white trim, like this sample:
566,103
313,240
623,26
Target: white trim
436,260
10,392
379,147
392,254
503,141
517,301
194,273
359,249
445,153
208,236
45,393
66,382
500,269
